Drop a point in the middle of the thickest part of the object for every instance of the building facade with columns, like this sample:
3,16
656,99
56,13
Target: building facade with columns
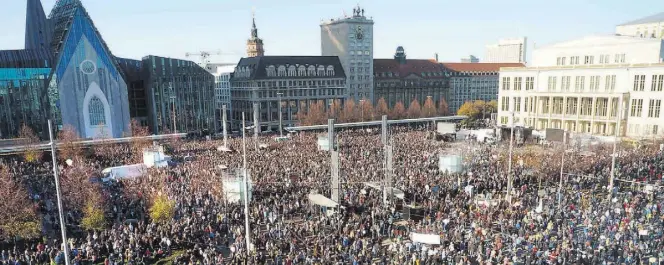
594,85
295,82
351,39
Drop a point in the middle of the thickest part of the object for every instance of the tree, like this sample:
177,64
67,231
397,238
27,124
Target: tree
443,109
429,108
68,138
138,142
349,113
335,110
302,114
470,109
367,110
30,139
19,217
105,148
399,111
162,209
381,108
316,113
75,184
414,110
93,216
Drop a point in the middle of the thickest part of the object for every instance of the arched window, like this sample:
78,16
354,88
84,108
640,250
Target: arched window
301,70
96,111
330,70
271,70
282,71
311,70
291,71
321,70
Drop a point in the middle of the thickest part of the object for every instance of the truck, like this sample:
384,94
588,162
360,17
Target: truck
446,131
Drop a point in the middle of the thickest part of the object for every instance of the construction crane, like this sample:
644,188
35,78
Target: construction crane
204,56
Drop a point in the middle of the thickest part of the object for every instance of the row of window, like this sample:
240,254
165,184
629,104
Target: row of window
654,107
517,83
590,59
656,84
291,70
652,34
560,106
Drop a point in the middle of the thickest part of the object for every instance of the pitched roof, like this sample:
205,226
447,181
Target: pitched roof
259,64
479,67
412,66
649,19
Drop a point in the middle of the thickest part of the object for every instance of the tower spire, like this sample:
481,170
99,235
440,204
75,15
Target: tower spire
254,30
254,44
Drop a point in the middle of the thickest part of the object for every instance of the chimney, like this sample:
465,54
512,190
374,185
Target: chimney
436,56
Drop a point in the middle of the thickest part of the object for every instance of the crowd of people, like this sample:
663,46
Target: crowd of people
579,220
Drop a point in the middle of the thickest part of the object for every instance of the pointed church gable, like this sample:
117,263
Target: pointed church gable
80,27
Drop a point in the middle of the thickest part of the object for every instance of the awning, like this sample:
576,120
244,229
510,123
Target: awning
321,200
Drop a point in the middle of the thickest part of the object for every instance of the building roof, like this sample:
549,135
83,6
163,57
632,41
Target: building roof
649,19
38,58
599,40
258,65
479,67
412,66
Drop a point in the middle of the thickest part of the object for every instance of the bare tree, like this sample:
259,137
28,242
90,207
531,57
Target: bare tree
367,110
335,110
443,109
68,138
19,217
30,139
349,113
138,142
302,115
414,110
76,186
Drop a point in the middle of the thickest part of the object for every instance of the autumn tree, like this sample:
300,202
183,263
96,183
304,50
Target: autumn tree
429,108
302,114
68,138
316,113
105,148
414,110
139,142
367,110
31,141
334,111
18,217
93,215
470,109
349,113
76,186
398,112
381,108
162,209
443,108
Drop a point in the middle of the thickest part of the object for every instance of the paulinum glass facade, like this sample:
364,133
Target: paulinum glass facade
180,95
23,99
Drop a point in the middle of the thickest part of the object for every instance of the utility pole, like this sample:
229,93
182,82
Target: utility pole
615,147
257,126
58,193
281,131
246,188
334,162
223,115
509,166
387,163
562,168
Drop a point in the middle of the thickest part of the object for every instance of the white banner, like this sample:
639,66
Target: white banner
430,239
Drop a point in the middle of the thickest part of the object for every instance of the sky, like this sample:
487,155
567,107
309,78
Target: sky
453,29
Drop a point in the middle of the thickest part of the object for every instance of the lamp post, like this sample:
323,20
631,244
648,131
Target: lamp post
562,167
615,146
246,187
362,108
509,166
281,132
58,193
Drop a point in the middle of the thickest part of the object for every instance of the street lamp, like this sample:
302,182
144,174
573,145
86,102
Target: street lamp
281,132
615,146
63,227
509,166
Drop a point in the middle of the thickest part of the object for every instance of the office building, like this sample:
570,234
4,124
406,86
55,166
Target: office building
351,39
137,96
402,80
647,27
180,95
506,51
470,59
473,81
589,85
292,81
66,73
222,90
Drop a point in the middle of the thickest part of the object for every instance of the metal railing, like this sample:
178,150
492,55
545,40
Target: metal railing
46,145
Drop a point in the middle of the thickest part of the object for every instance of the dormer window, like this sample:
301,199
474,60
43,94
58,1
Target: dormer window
282,71
271,70
321,70
330,70
311,70
291,71
301,71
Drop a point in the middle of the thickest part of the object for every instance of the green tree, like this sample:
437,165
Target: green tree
162,209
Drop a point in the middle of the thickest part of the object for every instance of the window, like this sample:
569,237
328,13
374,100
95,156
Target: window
558,105
552,83
639,82
579,84
517,83
525,104
271,70
560,60
330,70
545,105
655,129
311,70
506,83
586,106
619,58
517,103
637,107
565,83
301,70
589,59
504,120
529,82
606,58
610,83
96,112
654,107
574,60
505,104
657,81
594,83
321,70
281,71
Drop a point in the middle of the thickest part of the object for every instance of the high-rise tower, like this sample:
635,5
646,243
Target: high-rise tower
37,27
351,38
254,44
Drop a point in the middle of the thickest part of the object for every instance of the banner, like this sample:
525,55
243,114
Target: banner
430,239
